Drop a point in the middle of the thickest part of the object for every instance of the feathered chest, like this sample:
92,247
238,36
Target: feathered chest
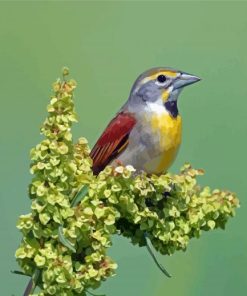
168,129
164,129
158,139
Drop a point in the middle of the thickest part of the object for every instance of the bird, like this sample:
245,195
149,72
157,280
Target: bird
146,132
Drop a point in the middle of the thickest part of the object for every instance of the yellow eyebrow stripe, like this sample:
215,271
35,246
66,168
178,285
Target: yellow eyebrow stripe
153,76
166,73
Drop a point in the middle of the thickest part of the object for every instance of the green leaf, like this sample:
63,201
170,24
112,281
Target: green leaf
90,293
148,244
19,272
79,195
64,241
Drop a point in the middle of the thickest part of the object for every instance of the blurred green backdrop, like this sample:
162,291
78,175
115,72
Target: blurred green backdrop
106,45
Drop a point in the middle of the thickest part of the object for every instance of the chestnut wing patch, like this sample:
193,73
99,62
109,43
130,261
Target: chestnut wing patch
113,141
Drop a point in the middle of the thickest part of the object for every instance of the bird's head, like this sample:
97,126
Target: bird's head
160,86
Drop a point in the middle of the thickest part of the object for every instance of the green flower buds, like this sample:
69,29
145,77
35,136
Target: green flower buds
74,213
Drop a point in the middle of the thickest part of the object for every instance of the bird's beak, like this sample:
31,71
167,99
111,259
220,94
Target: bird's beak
185,79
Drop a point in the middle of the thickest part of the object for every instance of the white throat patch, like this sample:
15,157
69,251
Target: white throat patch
157,108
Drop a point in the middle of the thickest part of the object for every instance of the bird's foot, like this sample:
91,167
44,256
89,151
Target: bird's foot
118,167
118,162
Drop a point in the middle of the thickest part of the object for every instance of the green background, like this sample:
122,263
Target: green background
106,45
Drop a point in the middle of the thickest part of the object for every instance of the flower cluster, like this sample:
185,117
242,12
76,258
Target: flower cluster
74,213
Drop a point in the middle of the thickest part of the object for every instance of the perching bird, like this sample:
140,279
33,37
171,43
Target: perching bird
146,132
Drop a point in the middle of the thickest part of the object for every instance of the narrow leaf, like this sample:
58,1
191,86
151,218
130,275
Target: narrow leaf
64,241
160,266
19,272
90,293
79,195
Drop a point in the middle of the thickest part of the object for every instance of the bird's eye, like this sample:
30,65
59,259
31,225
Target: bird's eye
161,78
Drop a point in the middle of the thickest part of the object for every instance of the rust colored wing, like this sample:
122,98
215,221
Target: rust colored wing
113,141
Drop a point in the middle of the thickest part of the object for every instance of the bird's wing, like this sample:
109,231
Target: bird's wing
113,141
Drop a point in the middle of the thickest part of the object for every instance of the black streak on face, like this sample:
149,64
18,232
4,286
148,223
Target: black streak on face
172,107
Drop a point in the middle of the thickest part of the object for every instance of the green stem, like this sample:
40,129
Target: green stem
32,284
28,288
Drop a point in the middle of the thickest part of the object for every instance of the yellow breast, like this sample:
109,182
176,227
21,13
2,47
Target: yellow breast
169,131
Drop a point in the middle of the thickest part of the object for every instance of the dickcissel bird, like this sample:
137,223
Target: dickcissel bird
146,132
